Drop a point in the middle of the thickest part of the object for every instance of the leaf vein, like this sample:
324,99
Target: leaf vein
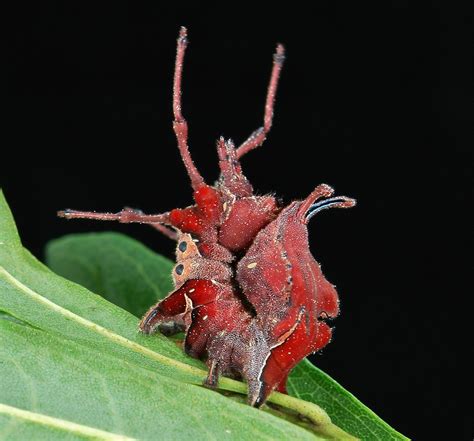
58,423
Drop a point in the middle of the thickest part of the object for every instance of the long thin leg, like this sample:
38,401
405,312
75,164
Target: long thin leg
256,138
180,125
126,216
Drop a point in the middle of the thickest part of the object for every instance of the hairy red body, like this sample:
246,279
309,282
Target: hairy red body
249,295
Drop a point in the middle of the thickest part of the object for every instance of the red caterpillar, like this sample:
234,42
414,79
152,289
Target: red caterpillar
249,295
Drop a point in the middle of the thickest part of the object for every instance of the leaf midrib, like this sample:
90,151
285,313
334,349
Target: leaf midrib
61,424
116,338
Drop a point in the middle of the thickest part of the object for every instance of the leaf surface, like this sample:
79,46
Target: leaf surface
73,366
120,269
306,381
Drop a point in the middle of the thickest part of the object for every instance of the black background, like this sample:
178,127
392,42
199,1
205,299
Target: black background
375,100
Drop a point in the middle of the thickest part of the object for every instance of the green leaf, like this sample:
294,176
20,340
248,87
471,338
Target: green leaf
115,266
312,384
306,381
73,366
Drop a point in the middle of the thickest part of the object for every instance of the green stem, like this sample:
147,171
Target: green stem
320,419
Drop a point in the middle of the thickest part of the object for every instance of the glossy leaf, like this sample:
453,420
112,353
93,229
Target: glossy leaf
115,266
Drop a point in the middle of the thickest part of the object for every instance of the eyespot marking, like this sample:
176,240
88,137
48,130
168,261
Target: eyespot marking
183,246
179,269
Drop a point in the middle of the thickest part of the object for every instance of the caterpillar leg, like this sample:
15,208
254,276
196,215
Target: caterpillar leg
168,315
258,136
212,378
126,216
178,306
180,125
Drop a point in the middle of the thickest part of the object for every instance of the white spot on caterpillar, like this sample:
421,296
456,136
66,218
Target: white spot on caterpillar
191,290
224,206
205,317
252,265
